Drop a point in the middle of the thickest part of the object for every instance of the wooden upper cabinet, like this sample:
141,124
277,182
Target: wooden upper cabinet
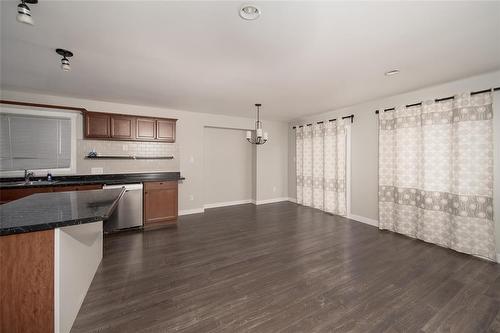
165,130
146,129
97,125
122,127
109,126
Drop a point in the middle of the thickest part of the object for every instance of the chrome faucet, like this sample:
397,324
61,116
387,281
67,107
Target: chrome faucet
27,175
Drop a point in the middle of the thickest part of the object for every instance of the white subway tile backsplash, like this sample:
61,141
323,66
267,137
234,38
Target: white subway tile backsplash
150,149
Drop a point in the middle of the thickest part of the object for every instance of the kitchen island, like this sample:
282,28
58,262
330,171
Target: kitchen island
50,249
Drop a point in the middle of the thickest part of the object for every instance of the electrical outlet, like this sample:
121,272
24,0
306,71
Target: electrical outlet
191,197
274,189
191,159
96,171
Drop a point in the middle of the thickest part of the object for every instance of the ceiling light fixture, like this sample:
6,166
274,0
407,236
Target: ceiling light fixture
392,72
24,12
65,61
260,138
249,12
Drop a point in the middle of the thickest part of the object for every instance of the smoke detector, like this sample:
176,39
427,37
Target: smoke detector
249,12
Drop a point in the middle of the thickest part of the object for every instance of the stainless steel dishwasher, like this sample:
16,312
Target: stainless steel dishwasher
128,213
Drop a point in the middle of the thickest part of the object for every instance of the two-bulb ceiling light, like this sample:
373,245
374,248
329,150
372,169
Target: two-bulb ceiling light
24,12
24,16
259,138
65,61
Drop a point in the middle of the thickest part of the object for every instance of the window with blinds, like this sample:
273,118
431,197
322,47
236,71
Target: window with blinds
34,142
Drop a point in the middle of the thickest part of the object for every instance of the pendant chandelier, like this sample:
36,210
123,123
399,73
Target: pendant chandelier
259,138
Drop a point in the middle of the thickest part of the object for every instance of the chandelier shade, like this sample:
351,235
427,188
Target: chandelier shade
258,137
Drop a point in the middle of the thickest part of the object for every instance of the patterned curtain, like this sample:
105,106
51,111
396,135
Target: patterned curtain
321,166
436,173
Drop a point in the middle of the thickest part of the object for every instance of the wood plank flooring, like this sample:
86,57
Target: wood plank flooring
285,268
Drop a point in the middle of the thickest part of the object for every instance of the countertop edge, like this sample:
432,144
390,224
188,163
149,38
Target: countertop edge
48,226
60,224
91,182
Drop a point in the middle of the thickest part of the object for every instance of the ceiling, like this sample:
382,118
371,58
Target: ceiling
298,58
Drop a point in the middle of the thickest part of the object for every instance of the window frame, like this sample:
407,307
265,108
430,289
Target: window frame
72,116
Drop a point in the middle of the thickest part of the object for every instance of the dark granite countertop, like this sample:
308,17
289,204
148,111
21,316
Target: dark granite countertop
44,211
108,179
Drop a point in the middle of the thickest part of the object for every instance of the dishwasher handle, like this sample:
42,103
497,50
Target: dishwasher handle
128,187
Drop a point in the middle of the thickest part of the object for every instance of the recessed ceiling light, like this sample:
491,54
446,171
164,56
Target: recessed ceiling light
249,12
392,72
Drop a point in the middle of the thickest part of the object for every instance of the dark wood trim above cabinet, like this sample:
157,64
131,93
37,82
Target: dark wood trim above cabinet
45,106
114,126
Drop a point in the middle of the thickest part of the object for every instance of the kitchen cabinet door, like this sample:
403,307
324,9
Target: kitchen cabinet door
146,129
160,202
123,127
165,130
97,125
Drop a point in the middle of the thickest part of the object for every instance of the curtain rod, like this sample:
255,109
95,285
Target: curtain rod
443,99
334,119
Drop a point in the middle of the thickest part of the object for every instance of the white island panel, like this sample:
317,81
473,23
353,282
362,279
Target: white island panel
77,255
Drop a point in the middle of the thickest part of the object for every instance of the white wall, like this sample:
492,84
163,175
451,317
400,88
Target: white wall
227,149
190,136
272,165
364,158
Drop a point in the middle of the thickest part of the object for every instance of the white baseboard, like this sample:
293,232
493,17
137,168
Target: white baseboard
232,203
191,211
273,200
363,219
227,203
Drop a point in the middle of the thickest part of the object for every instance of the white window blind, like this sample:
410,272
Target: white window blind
34,142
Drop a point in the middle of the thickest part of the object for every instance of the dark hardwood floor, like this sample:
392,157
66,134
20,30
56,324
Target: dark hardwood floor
286,268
